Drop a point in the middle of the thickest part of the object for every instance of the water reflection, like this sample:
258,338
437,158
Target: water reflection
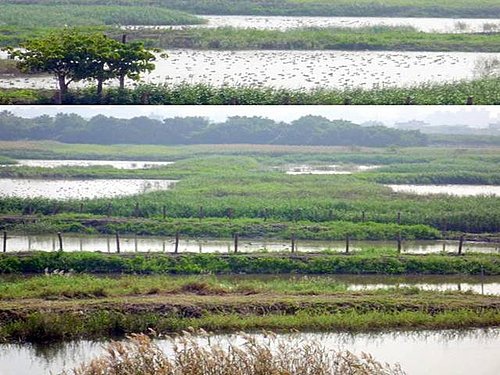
298,69
440,25
425,352
458,190
79,188
118,164
128,243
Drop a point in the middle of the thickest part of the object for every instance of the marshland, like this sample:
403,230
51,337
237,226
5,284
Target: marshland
283,227
255,53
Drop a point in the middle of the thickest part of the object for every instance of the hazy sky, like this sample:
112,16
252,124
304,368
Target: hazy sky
478,116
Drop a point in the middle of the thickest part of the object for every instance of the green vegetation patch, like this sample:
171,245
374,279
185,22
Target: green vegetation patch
59,319
31,15
364,263
370,38
479,91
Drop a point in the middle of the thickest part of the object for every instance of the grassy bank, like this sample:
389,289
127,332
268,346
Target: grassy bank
357,8
378,38
370,262
483,91
219,228
201,305
36,16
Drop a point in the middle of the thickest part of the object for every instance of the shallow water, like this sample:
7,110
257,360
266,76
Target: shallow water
118,164
328,169
167,244
79,188
439,25
425,352
454,283
458,190
299,69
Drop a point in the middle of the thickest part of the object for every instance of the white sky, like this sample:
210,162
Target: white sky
477,116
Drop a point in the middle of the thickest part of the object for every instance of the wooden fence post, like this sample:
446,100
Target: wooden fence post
293,242
136,209
363,216
460,244
4,241
176,249
235,243
347,244
117,243
399,242
230,213
201,213
59,235
164,212
81,207
399,218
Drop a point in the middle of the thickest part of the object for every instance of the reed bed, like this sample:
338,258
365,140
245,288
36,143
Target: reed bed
141,355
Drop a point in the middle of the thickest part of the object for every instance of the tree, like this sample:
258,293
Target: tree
67,54
72,55
130,60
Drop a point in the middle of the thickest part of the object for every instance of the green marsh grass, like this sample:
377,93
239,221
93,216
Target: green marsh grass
484,91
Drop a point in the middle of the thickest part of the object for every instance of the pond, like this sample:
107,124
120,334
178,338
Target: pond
442,283
167,244
458,190
298,69
439,25
79,188
328,169
426,352
118,164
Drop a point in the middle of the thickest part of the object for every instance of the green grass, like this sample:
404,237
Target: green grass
30,16
87,286
391,8
244,178
363,263
483,91
370,38
99,317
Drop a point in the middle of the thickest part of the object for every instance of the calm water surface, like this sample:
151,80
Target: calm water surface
79,188
458,190
439,25
167,244
300,69
118,164
426,352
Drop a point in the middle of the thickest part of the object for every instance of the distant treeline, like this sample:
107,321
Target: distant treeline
308,130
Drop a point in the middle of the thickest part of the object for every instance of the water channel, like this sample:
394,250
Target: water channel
426,352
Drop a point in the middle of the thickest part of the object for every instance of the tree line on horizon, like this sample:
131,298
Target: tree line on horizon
100,129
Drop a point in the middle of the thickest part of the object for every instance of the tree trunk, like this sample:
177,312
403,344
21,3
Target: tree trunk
99,88
63,89
122,81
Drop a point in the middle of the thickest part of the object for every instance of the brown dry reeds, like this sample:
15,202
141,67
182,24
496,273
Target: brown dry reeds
273,356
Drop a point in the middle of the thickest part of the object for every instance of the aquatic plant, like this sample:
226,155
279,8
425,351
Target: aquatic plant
139,354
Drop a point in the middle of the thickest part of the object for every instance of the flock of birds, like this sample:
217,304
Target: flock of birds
79,188
303,69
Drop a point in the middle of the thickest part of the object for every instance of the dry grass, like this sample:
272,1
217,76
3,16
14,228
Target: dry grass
140,355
